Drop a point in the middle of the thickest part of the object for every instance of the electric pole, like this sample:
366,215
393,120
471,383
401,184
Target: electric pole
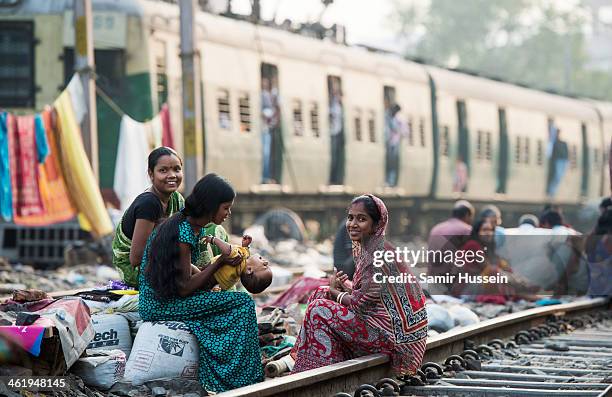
192,97
84,65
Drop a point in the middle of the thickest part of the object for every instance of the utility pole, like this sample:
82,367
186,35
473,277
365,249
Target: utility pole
192,97
84,64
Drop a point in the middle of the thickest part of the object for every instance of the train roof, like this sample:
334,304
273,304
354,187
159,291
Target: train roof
507,94
273,42
50,7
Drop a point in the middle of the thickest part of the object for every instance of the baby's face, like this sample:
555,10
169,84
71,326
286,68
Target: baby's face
256,265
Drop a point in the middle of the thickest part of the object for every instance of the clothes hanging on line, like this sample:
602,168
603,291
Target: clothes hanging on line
6,194
57,204
24,155
79,176
131,177
168,134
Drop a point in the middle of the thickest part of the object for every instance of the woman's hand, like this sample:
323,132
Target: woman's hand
337,280
225,260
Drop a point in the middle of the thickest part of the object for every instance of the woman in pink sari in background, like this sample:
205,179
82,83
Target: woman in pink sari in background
374,316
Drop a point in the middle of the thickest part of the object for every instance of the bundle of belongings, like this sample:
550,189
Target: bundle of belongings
32,320
277,335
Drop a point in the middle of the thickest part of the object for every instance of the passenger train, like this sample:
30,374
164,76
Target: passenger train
498,133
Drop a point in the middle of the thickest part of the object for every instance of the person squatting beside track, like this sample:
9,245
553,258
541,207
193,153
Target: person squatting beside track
343,322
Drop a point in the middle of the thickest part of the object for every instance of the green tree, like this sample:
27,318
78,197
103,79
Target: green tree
527,41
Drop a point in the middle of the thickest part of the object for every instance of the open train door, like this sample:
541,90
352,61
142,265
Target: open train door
586,162
462,170
502,166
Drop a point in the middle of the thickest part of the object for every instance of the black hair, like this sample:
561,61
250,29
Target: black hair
602,228
488,213
370,207
159,152
605,203
461,212
163,267
255,285
552,218
475,235
208,195
604,223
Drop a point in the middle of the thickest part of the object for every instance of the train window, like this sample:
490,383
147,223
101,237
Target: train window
445,144
298,121
488,146
573,157
110,69
410,131
314,119
526,158
540,152
17,67
357,120
479,144
245,112
223,102
422,132
517,150
372,126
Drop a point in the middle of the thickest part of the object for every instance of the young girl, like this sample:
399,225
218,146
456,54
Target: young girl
161,200
224,322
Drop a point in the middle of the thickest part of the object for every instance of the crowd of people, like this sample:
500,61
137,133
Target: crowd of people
176,253
174,250
542,254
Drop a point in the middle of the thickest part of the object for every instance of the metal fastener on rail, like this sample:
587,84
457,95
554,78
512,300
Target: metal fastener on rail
432,370
471,354
388,387
496,344
367,391
455,363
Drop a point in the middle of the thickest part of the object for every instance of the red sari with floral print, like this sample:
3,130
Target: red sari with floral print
380,317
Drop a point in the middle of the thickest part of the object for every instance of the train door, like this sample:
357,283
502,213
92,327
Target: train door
586,162
502,167
271,134
391,136
336,130
462,166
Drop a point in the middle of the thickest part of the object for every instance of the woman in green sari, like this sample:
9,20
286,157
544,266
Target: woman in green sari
159,202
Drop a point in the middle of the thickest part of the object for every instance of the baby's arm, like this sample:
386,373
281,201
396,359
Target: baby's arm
225,248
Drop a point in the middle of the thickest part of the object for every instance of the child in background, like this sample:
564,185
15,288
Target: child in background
253,271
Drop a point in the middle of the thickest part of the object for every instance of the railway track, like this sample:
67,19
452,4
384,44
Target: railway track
507,356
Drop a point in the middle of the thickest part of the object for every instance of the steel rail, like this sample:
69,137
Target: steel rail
348,375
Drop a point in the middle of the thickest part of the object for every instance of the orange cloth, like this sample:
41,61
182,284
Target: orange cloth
51,184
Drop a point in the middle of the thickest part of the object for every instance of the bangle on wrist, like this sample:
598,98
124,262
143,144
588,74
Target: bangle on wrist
340,296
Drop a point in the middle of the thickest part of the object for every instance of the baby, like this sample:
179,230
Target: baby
253,271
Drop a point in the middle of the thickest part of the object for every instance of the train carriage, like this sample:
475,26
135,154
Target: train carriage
499,131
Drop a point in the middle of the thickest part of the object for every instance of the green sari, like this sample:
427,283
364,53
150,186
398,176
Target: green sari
122,244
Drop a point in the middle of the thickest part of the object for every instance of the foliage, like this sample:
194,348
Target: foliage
528,41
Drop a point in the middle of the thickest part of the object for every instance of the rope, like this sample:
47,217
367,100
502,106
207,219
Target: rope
112,104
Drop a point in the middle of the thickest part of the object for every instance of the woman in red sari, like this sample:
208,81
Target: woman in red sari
375,315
